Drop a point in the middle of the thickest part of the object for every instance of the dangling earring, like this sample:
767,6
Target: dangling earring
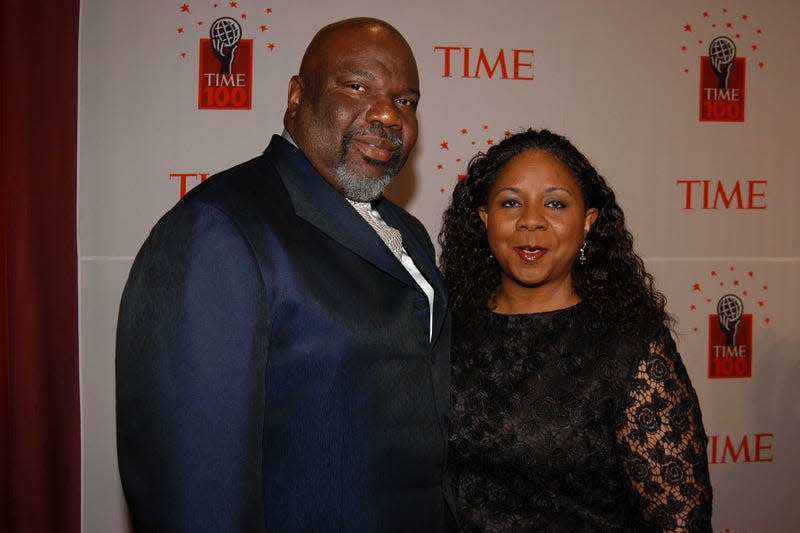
582,256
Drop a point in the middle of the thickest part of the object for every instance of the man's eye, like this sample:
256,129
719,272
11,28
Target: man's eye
356,86
407,102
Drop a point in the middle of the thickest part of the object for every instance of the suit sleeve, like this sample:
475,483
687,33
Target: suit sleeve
190,370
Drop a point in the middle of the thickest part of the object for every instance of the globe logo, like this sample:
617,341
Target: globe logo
723,49
225,35
226,31
722,52
729,312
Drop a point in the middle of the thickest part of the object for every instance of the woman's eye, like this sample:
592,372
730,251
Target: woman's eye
510,203
556,204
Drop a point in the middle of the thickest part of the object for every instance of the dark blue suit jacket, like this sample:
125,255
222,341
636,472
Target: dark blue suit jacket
274,370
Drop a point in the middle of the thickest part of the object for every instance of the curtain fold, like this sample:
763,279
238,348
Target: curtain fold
40,406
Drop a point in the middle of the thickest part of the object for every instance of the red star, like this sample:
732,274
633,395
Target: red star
687,27
473,143
461,177
705,14
754,47
199,22
268,10
683,48
695,329
725,10
758,31
271,46
464,131
692,307
764,287
731,268
744,17
440,167
489,142
244,16
216,5
760,64
736,283
458,160
700,41
713,273
708,300
738,35
766,320
183,55
233,4
761,303
441,189
750,273
714,25
744,293
180,30
486,126
696,287
686,71
507,133
721,283
185,8
263,27
444,146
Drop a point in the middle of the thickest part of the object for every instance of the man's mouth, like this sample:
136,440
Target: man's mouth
375,148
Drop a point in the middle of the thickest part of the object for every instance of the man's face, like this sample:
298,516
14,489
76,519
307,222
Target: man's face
354,113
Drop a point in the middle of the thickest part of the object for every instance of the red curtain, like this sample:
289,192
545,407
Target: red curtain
39,400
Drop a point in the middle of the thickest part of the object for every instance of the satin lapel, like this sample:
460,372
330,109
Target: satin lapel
423,261
319,204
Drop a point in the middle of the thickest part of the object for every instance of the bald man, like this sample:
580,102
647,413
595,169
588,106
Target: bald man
283,338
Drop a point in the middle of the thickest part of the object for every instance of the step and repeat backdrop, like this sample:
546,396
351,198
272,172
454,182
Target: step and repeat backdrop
688,108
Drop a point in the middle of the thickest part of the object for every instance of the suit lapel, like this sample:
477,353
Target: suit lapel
424,262
318,203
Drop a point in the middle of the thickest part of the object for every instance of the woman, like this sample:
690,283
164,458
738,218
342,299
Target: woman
572,410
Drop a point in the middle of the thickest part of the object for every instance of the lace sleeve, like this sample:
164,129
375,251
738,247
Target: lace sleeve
663,443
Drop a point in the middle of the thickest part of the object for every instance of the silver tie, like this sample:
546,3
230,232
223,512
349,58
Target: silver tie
388,234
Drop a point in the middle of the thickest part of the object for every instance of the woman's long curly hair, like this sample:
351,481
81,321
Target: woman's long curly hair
613,279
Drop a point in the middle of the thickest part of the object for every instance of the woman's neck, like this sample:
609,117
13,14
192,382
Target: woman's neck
518,300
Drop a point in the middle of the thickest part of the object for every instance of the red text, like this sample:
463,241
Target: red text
755,448
713,194
471,63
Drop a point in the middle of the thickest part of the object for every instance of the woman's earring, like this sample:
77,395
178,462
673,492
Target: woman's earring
582,256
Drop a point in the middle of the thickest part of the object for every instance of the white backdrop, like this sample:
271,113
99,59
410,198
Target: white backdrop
712,204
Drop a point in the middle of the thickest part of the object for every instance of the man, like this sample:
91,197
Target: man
278,368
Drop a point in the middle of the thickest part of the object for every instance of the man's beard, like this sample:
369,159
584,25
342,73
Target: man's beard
362,188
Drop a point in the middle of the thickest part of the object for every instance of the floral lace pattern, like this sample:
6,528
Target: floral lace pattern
561,422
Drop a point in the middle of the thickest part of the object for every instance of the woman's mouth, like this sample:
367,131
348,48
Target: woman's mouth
530,254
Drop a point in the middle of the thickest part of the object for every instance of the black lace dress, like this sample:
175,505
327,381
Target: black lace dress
561,422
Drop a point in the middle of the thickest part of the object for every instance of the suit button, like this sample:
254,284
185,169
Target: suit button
421,303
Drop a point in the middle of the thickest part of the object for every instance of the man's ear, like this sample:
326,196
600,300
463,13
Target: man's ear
296,87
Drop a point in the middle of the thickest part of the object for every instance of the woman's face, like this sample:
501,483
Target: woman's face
536,222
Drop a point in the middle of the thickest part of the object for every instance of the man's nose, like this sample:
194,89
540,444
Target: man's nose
383,110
